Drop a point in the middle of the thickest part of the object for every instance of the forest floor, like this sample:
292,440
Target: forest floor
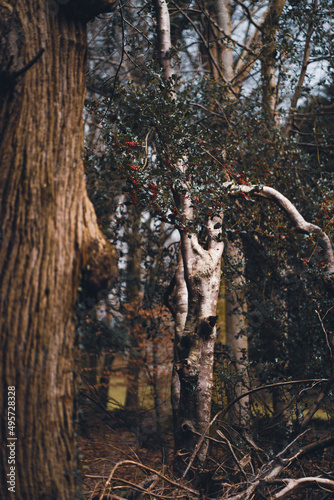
106,441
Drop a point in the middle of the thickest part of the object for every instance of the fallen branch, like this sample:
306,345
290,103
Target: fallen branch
310,448
222,413
137,464
293,485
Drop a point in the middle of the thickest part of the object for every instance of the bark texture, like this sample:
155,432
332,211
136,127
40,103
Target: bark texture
198,274
49,233
164,37
223,10
268,56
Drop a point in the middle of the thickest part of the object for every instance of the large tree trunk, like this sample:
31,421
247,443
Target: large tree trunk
49,234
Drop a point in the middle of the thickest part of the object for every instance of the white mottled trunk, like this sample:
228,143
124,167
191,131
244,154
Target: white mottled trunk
164,37
224,22
198,283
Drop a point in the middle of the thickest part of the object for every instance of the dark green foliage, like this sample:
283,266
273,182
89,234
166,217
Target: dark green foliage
147,129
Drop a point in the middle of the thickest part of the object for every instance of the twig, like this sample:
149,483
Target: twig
139,488
222,413
249,15
232,453
292,443
131,462
292,485
309,448
326,335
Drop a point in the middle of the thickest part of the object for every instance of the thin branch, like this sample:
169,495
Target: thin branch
222,413
220,29
123,48
249,15
138,31
295,217
310,448
305,63
225,440
326,336
206,45
293,485
165,478
292,443
138,488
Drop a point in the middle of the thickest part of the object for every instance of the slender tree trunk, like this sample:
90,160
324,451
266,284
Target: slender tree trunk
49,234
164,37
235,301
180,317
268,57
197,289
223,9
306,59
236,338
132,297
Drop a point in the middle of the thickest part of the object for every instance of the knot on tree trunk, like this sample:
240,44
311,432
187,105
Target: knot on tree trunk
101,269
187,426
206,326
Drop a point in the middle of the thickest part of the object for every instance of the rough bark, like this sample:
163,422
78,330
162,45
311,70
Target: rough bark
49,233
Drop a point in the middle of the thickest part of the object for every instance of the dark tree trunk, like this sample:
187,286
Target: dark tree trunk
48,233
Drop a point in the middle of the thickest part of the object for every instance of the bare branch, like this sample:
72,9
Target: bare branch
206,45
227,36
310,448
142,466
293,485
222,413
295,217
249,15
237,462
326,335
